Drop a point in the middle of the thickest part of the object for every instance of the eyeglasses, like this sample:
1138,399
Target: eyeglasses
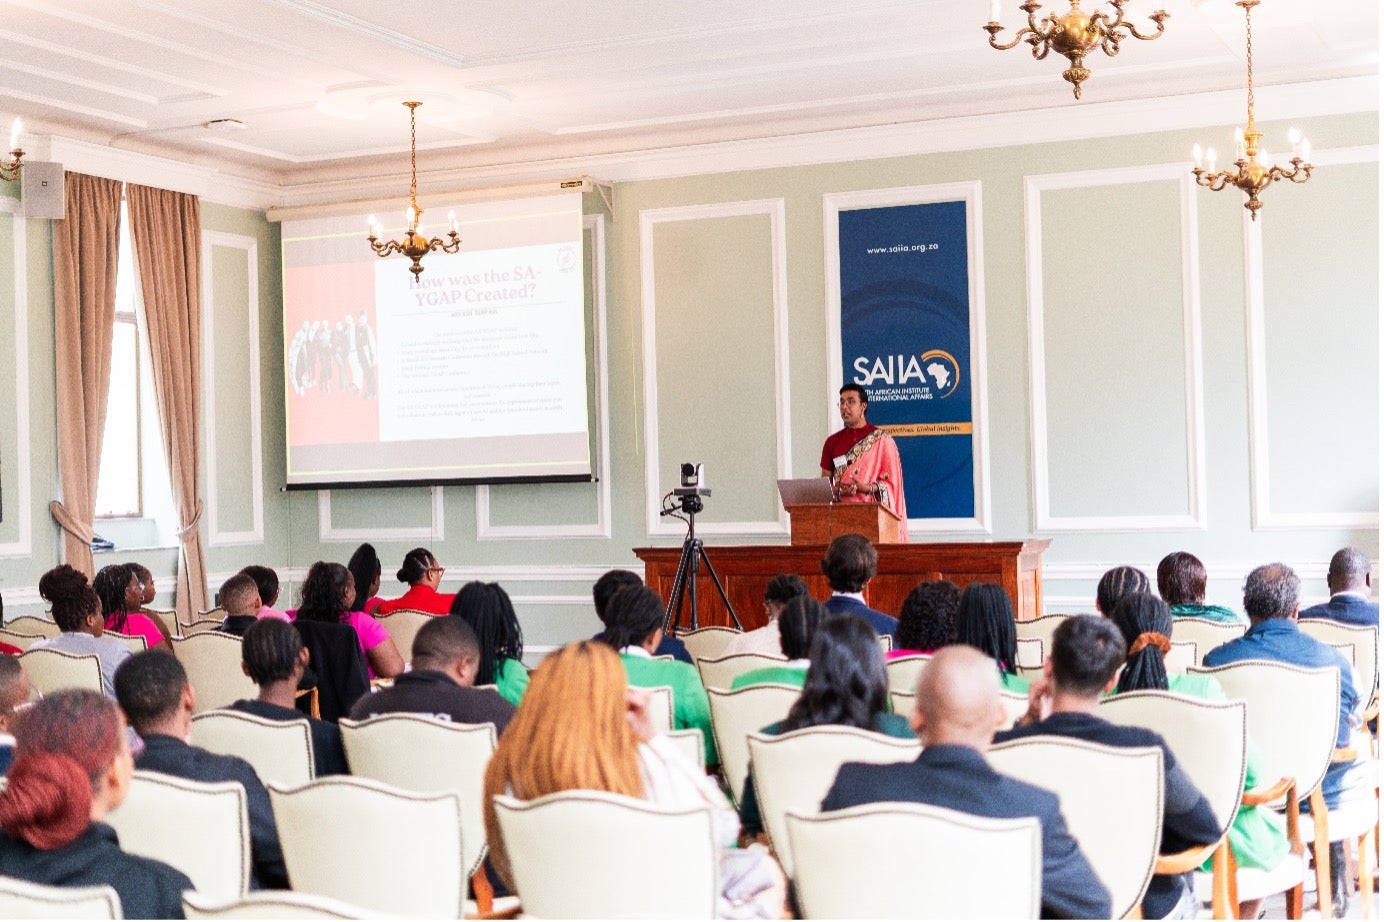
439,569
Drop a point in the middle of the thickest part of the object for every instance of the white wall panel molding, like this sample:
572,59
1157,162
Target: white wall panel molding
328,533
835,203
485,531
1262,516
250,248
23,544
1195,516
653,490
1092,570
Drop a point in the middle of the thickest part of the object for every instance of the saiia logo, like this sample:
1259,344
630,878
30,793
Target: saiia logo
935,368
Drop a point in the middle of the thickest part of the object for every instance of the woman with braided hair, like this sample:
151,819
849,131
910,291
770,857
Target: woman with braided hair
72,766
122,594
1256,835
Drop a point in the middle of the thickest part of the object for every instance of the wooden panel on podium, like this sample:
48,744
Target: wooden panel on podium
819,523
745,571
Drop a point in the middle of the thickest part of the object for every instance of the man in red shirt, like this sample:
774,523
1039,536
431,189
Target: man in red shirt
862,459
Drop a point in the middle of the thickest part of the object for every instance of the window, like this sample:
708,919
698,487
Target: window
134,498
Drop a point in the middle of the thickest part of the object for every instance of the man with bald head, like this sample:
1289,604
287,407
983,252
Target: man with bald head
955,715
1348,578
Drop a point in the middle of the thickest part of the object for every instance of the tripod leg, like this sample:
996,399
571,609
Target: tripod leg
701,553
675,595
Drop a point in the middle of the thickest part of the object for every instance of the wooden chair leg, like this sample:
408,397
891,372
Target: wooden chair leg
1223,905
1366,877
1321,852
484,892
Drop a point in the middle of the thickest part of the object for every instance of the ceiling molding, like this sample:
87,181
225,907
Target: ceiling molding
340,20
109,63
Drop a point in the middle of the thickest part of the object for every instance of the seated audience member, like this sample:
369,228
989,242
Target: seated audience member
846,686
985,620
1115,584
120,592
487,609
1348,579
797,625
849,565
955,715
154,693
1087,652
14,698
146,580
71,768
634,624
329,597
927,621
273,656
582,727
611,582
77,611
1256,835
781,590
267,582
366,569
1271,601
423,574
1182,584
446,657
240,598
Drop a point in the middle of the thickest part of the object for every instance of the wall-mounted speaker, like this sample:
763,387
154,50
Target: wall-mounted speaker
41,190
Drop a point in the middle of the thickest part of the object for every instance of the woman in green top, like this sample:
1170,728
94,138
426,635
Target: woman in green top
487,609
1182,584
985,620
845,685
1256,836
797,625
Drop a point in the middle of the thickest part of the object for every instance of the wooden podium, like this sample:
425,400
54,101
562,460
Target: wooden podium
819,523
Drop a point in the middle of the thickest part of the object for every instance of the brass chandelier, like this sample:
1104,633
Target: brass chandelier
1250,175
414,245
9,169
1073,35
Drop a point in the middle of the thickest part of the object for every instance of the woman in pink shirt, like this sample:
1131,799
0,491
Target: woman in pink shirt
329,595
365,569
121,595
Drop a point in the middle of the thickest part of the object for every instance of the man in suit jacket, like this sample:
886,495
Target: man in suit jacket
849,565
955,715
1348,578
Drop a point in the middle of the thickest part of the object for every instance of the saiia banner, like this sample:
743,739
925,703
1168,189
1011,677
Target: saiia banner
906,336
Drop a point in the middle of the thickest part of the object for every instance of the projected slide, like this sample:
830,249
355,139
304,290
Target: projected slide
476,371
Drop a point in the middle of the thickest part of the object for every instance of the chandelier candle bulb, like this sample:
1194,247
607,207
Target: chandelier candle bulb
1196,155
1305,147
17,127
994,10
1211,160
452,221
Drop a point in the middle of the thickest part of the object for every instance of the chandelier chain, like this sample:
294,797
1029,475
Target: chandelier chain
413,152
1249,59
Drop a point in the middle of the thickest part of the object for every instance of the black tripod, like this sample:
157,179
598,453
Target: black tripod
692,559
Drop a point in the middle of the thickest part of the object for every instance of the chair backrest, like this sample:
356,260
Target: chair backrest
708,642
135,642
1293,715
273,904
1030,652
903,672
1112,801
588,855
1181,656
50,670
721,671
20,899
794,771
200,626
1210,740
1039,629
1208,634
279,750
1030,673
911,861
30,624
377,846
886,642
691,744
22,641
1363,637
402,626
212,661
661,707
737,714
1015,706
1347,650
442,756
200,828
212,614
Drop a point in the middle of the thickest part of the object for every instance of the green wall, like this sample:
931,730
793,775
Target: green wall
1137,278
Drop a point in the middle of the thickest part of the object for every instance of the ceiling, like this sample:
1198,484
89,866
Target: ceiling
318,85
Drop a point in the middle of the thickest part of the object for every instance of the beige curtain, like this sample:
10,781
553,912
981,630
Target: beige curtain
167,232
85,249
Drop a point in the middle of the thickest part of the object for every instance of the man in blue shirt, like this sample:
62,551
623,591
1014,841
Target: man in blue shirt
1271,601
1348,578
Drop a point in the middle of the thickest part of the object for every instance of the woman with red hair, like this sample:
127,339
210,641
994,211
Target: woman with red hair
71,767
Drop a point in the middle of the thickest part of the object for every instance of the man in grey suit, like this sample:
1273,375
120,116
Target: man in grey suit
957,711
1348,578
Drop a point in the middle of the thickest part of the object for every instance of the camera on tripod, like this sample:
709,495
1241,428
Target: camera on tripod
691,487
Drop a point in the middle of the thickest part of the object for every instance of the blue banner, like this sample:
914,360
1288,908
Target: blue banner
906,337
